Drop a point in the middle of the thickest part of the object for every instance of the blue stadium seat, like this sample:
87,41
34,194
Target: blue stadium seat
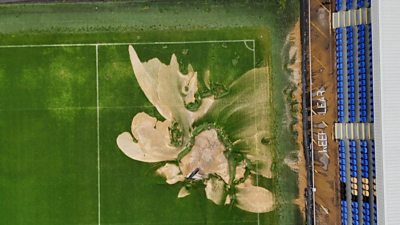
363,88
349,4
338,5
344,211
371,113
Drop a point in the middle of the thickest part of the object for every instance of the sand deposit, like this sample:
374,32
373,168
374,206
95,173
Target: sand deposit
201,157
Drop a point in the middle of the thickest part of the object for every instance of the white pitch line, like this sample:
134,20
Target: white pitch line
71,108
255,119
251,49
127,43
98,136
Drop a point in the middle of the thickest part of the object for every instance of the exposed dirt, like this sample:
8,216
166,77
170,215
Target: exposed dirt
207,156
295,67
323,75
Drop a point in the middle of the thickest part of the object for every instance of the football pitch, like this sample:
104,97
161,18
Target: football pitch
63,104
64,113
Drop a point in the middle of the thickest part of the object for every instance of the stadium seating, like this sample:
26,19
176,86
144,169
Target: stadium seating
342,162
364,168
364,159
344,211
349,4
371,96
362,73
353,158
350,76
366,213
354,213
372,146
355,83
338,5
339,69
360,3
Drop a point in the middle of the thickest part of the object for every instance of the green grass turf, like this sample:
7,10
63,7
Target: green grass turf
48,139
37,84
141,16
